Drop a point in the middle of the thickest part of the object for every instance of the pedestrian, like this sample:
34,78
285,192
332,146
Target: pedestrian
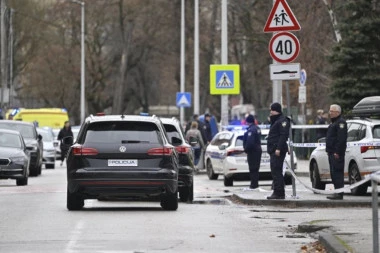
336,143
200,127
320,120
252,147
63,133
277,148
207,127
194,137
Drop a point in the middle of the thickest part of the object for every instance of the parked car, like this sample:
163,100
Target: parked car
14,158
186,158
122,156
33,142
57,148
225,156
49,147
361,157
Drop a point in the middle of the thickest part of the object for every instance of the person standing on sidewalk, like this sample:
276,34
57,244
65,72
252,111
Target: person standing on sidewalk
277,148
336,144
252,147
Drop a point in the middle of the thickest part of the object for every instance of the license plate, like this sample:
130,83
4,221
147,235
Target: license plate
130,163
265,160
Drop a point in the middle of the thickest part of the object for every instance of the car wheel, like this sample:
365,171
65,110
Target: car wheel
191,193
316,182
353,177
33,171
50,166
184,194
170,202
228,181
74,201
22,181
210,171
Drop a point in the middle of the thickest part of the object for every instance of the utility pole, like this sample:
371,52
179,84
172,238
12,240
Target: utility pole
196,56
182,88
3,52
10,101
224,52
276,85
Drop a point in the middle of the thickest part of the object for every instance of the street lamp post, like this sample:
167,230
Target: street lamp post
82,86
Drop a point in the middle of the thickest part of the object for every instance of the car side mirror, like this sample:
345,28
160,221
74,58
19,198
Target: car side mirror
176,141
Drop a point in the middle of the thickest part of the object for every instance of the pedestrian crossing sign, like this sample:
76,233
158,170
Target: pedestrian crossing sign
183,99
225,79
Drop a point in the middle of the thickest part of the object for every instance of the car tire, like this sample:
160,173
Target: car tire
315,178
170,202
39,169
228,181
191,193
210,171
50,166
184,194
74,201
22,181
354,177
33,171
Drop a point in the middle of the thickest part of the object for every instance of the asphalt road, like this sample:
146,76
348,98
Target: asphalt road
34,219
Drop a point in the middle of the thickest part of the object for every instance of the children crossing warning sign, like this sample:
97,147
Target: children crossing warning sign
281,18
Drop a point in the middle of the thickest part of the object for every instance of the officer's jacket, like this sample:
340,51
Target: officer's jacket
336,137
278,134
252,139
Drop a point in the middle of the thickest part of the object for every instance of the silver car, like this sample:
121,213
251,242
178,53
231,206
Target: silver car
49,149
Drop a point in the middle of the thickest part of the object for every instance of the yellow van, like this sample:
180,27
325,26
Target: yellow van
42,117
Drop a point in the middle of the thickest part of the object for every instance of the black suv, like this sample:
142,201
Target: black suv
33,142
122,156
186,158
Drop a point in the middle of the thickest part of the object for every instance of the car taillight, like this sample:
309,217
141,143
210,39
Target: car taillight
161,151
234,152
79,150
364,149
183,149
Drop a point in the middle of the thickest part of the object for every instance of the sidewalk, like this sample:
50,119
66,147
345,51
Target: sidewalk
348,233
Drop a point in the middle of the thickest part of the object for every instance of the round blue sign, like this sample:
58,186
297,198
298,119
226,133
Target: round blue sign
303,77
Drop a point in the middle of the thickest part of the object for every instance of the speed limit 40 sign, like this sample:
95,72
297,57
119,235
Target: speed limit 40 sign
284,47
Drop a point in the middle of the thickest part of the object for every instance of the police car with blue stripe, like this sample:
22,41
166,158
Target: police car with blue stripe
225,156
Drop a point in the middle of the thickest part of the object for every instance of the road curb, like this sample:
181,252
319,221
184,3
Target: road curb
330,241
293,203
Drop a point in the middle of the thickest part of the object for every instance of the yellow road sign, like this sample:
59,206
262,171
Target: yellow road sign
225,79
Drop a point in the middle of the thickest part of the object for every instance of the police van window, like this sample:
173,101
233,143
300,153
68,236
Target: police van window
353,132
239,141
362,132
376,132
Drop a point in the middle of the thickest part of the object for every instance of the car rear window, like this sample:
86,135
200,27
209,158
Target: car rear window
123,132
376,132
25,130
239,141
171,131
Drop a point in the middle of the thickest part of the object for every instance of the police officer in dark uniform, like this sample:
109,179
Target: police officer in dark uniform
336,143
252,146
207,127
277,148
